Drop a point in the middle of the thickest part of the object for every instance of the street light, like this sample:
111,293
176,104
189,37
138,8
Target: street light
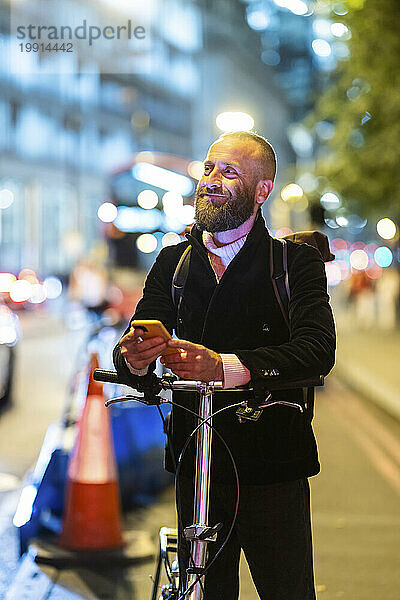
234,121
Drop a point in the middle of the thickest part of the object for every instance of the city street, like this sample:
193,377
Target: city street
355,499
219,165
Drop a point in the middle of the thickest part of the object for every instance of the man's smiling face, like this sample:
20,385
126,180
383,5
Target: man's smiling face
226,192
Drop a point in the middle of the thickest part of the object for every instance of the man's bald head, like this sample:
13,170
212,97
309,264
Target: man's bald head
259,147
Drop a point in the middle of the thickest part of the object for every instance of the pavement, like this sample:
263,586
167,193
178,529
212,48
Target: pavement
355,499
368,362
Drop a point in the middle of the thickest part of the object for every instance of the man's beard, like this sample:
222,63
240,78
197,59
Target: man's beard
231,214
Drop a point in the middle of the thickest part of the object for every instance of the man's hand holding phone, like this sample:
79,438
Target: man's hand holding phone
140,352
148,340
194,361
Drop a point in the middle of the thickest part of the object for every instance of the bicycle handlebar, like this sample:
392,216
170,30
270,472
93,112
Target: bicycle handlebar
106,376
185,385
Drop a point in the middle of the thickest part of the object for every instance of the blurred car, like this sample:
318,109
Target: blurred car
10,333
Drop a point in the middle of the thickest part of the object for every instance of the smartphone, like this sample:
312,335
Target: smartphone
153,328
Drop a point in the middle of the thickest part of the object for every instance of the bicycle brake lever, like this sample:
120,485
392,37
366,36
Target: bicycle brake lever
152,401
249,413
284,403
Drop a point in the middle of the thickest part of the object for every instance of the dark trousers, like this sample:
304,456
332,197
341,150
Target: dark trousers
274,530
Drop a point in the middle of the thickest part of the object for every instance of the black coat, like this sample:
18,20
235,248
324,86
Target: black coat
241,315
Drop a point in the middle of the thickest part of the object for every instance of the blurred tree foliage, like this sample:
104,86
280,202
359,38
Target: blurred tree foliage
362,159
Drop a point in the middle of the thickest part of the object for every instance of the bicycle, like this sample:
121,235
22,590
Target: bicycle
199,534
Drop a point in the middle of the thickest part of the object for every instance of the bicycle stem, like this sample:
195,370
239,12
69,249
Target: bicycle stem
201,493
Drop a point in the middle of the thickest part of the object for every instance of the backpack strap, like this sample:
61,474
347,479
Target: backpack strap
180,275
280,282
279,275
178,285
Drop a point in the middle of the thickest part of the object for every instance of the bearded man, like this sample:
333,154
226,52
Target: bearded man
232,330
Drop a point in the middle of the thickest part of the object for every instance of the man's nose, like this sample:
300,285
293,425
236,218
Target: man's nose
213,186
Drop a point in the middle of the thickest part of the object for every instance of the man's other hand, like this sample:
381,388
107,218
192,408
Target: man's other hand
140,353
194,362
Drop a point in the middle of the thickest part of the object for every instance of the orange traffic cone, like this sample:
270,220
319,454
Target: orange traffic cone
92,505
95,388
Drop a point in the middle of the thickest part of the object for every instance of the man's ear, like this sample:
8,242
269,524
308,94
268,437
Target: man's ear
263,190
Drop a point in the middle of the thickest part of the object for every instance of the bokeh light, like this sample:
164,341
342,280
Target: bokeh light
344,268
322,28
386,228
38,293
170,239
6,198
308,182
339,29
330,201
333,273
340,8
321,48
291,192
357,246
342,221
8,334
331,223
370,249
374,272
234,121
338,244
162,178
172,203
340,50
383,256
300,205
52,287
297,7
325,130
107,212
28,275
258,19
6,281
271,57
359,260
195,169
145,156
147,199
186,214
20,291
147,242
282,231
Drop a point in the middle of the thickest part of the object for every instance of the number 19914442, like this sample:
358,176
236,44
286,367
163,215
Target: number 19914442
42,47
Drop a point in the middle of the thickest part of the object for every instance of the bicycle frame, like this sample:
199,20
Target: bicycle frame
198,530
200,533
